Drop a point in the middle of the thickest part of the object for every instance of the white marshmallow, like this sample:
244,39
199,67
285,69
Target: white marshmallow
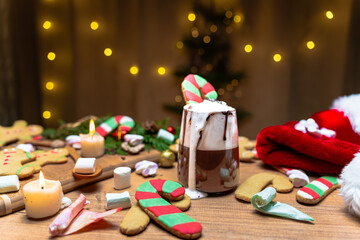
133,139
116,200
85,165
163,134
27,147
9,183
122,177
146,168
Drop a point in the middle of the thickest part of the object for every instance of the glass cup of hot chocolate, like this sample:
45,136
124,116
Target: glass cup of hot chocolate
208,149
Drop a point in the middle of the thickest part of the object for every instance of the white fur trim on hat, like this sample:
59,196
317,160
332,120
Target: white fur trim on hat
350,105
350,189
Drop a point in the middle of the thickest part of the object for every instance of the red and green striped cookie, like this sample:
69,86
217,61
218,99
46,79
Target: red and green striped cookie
317,190
161,211
126,124
191,87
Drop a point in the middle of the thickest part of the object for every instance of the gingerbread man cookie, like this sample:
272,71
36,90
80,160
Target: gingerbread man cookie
57,155
11,159
19,131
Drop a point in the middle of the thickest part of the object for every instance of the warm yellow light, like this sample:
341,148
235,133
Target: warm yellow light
161,71
193,69
213,28
94,25
41,180
178,98
191,17
310,44
47,25
194,32
206,39
235,82
46,114
221,91
134,70
277,57
49,86
248,48
51,56
329,15
237,18
228,14
179,44
92,127
108,52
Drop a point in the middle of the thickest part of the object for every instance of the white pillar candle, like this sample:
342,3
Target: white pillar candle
92,145
42,197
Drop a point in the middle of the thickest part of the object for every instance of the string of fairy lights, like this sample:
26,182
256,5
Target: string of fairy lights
161,70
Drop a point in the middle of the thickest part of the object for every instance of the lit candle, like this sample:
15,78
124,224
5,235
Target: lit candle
92,145
42,197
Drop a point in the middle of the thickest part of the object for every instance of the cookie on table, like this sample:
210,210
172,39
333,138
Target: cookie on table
12,159
19,131
135,221
162,212
317,190
258,182
247,150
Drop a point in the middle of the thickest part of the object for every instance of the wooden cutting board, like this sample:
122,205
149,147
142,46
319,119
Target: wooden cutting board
12,202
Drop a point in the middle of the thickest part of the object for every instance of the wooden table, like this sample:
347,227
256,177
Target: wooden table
222,217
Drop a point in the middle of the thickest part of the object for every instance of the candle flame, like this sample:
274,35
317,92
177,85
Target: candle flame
92,127
41,180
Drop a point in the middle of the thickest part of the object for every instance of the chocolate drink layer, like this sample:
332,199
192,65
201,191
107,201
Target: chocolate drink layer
216,171
208,142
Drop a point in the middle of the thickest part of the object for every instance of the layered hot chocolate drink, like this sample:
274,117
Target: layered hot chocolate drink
209,151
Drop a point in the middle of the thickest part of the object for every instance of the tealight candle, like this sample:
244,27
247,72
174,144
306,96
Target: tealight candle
92,145
42,197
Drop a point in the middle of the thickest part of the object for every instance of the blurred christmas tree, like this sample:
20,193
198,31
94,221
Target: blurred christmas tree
208,48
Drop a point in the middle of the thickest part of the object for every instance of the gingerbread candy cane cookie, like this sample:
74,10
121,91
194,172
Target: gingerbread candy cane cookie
162,212
317,190
126,124
191,87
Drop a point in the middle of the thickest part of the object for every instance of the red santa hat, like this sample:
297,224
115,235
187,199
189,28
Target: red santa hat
328,143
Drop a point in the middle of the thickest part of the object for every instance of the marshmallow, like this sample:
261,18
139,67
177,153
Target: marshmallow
65,202
116,200
85,165
26,147
133,139
146,168
73,140
163,134
9,183
122,177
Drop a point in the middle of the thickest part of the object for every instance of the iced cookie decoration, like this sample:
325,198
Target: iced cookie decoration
247,150
19,131
54,156
168,216
126,124
12,159
317,190
257,182
191,87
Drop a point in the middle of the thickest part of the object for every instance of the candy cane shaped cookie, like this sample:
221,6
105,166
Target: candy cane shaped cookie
126,124
162,212
191,87
317,190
